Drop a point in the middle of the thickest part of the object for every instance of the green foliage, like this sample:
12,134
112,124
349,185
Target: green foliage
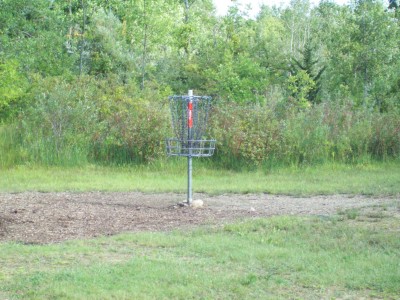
239,79
56,129
305,139
33,33
77,122
73,124
300,86
131,131
249,134
13,88
11,152
88,80
363,54
271,43
311,86
257,134
110,54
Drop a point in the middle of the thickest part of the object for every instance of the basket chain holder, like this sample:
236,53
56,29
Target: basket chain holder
189,122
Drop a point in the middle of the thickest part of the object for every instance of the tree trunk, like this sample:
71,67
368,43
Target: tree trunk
82,46
186,11
144,45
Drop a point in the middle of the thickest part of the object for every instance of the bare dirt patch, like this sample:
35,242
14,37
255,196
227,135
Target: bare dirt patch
34,217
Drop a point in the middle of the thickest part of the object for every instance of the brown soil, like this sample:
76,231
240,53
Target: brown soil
34,217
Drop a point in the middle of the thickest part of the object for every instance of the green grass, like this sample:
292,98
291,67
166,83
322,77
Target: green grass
369,179
278,257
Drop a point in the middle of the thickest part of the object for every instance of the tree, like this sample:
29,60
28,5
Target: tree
297,21
360,52
33,34
393,4
374,48
110,55
330,31
309,65
271,46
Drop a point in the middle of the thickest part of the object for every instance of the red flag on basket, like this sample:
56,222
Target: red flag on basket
190,117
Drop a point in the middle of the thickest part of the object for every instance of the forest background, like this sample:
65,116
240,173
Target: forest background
87,81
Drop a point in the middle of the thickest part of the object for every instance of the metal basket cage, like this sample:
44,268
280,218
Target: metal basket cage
179,111
189,122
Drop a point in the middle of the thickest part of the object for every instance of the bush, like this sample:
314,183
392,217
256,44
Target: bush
260,134
385,138
133,133
249,134
57,128
305,138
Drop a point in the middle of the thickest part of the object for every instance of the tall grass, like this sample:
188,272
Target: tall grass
10,146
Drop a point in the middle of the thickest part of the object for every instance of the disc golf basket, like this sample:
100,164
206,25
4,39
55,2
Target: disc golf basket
189,122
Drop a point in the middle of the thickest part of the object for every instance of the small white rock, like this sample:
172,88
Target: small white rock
197,203
252,209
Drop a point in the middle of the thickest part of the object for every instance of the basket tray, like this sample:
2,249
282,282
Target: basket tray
190,148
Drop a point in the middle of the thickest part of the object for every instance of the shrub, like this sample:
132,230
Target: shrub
260,134
385,138
133,133
56,129
305,138
244,133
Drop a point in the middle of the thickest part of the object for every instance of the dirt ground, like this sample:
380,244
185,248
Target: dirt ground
35,217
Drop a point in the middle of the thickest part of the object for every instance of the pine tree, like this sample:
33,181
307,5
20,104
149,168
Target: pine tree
309,65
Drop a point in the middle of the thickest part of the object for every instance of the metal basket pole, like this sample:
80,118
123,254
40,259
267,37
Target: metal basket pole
190,125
